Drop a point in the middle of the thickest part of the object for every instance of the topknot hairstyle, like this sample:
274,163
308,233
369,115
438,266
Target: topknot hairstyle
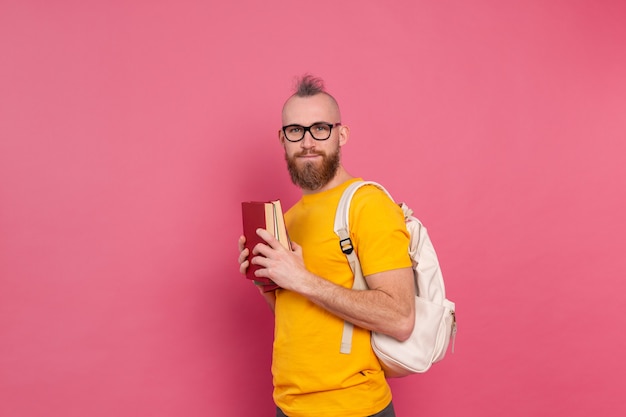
309,85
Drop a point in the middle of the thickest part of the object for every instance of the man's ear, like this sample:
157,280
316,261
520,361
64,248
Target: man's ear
344,134
281,137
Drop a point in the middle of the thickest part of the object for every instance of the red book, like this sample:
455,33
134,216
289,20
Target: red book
264,215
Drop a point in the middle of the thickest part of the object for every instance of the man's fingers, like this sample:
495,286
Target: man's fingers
269,239
243,255
243,267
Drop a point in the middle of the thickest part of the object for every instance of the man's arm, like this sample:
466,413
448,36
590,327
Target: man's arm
387,306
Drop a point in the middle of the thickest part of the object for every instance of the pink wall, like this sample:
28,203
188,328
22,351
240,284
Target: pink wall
131,131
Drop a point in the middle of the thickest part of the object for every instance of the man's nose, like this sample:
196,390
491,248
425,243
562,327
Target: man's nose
307,141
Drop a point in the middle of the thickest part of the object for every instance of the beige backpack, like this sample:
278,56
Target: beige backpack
435,320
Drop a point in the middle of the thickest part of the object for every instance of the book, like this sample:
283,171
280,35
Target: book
265,215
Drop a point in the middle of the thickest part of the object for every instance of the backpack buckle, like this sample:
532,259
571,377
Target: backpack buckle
346,245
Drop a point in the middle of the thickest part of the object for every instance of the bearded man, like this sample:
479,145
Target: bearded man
311,376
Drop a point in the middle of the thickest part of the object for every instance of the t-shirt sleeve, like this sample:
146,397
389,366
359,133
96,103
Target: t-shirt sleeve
378,231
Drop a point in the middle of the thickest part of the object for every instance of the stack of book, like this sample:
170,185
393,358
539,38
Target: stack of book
264,215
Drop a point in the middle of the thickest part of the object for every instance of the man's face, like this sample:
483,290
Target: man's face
312,163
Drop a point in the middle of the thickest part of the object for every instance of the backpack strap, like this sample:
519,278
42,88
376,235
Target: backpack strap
342,229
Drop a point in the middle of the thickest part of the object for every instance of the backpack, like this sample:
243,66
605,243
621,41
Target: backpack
435,320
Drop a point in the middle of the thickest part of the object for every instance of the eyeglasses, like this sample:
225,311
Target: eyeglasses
318,131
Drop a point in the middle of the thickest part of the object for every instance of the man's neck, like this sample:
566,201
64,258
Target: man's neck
340,177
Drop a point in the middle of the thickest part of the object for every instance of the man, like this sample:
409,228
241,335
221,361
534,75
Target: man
311,377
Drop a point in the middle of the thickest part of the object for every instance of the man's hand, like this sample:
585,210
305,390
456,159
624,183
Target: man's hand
284,267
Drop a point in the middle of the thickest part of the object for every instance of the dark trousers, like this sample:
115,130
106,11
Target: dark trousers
387,412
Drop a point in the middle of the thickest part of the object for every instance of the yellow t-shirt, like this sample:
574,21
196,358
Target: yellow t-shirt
311,377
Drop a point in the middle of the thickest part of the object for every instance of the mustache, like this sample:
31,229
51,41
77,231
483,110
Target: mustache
310,152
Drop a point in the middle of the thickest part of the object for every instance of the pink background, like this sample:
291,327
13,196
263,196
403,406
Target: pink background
131,130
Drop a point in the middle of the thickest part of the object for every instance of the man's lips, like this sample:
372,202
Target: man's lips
309,155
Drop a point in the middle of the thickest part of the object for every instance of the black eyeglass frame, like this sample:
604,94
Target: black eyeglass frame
308,129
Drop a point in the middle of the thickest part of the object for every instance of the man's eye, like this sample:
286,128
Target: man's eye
320,128
294,129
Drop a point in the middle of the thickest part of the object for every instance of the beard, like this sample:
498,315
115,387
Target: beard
310,176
